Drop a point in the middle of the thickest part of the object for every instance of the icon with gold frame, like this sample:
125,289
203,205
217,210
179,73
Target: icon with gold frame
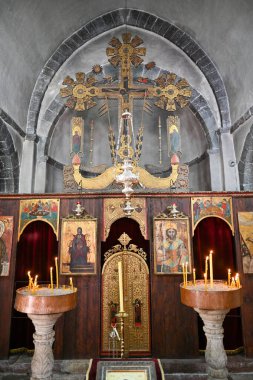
78,246
172,246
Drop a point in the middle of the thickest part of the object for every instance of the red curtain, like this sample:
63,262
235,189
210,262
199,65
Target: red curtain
215,234
36,250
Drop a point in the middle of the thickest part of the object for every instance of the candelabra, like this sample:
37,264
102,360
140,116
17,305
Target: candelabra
128,177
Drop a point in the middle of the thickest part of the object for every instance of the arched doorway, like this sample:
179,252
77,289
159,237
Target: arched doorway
134,256
36,250
213,233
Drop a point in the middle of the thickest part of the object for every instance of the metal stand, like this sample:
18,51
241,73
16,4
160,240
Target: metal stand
122,315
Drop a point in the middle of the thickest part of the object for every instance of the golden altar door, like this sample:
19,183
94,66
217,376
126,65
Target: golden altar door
136,302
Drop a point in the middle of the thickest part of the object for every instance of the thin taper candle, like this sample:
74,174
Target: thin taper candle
51,277
211,268
71,283
121,294
183,274
56,271
229,276
194,276
206,266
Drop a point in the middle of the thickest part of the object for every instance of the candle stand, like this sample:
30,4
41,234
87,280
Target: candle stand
44,306
121,315
212,304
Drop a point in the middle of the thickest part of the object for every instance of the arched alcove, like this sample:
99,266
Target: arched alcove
215,234
36,250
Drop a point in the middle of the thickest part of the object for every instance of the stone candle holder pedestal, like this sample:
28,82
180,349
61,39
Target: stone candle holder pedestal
212,304
44,306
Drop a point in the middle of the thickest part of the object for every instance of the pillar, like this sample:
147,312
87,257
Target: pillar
215,170
230,169
26,178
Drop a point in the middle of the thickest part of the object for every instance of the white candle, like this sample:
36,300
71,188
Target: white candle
211,268
71,283
51,277
121,294
206,267
183,273
229,276
57,273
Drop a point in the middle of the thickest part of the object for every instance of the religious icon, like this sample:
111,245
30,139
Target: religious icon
203,207
137,312
78,246
39,209
77,135
171,245
174,138
245,220
6,231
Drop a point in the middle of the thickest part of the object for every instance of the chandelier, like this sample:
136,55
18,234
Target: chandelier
125,152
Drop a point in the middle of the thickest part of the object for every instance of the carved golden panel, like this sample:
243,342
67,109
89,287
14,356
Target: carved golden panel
136,287
113,210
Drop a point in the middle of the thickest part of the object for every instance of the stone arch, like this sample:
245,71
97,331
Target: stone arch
143,20
245,165
9,163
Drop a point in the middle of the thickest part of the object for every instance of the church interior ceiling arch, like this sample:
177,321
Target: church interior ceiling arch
174,49
100,103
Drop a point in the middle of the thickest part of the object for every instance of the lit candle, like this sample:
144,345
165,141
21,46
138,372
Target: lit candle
194,276
51,277
35,281
57,273
211,268
121,296
229,276
186,273
206,266
29,277
233,282
71,283
237,280
183,274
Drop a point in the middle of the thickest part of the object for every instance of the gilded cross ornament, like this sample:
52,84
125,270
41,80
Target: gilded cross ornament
124,240
80,92
171,92
126,54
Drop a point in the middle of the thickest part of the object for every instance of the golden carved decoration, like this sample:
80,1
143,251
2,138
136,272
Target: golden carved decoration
125,150
171,92
80,93
83,92
151,182
113,210
136,287
124,239
105,179
100,182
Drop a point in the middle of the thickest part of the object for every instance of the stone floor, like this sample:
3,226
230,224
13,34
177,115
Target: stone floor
17,367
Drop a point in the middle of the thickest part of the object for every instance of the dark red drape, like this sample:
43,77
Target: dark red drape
36,250
215,234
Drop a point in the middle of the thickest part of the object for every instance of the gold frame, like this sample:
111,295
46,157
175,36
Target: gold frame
215,209
182,226
131,374
28,213
6,236
69,228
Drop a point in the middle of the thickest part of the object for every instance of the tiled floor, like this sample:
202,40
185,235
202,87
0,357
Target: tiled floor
17,367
